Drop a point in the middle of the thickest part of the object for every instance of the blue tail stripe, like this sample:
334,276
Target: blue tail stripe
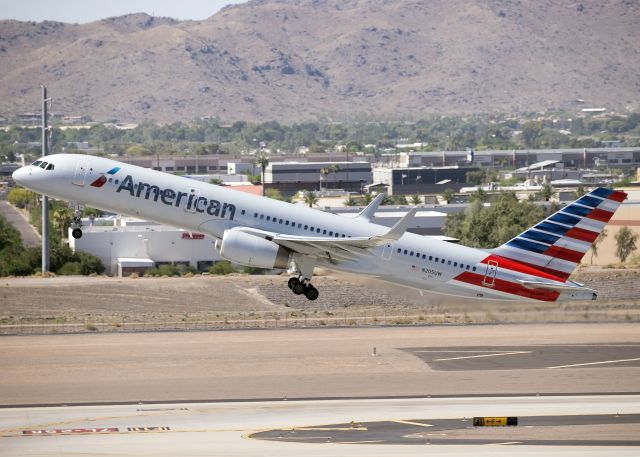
601,192
551,227
528,245
113,171
589,201
577,210
564,219
540,236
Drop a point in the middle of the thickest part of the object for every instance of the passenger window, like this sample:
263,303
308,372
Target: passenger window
280,221
467,267
242,212
430,257
318,230
343,235
424,256
411,253
268,218
437,259
286,222
310,228
337,236
300,226
405,252
455,264
442,261
324,232
448,262
255,214
399,250
50,166
306,227
474,268
331,233
262,216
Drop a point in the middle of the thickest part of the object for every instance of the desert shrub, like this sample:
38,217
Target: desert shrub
223,267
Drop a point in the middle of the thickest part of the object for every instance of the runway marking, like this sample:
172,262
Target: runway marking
506,443
483,355
419,424
359,442
328,429
482,352
595,363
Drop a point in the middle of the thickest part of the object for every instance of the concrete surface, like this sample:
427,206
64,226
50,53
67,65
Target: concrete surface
313,363
30,237
206,429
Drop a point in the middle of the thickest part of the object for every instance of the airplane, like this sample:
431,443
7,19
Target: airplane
266,233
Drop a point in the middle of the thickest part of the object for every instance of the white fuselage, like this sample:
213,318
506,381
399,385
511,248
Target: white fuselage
413,260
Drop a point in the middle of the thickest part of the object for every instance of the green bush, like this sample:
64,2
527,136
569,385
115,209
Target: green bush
223,267
69,268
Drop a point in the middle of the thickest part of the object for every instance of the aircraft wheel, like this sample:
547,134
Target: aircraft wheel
311,293
291,282
76,233
298,288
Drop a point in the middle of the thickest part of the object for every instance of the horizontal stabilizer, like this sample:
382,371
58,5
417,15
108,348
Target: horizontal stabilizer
558,287
399,228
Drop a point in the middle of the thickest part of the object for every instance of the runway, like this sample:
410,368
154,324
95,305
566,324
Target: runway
199,429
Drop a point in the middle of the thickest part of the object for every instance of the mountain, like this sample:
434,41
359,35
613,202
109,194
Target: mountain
295,60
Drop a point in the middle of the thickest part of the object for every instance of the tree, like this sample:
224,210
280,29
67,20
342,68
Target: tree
350,201
580,191
416,199
262,160
276,195
547,192
531,133
448,195
625,243
62,218
596,243
310,198
479,195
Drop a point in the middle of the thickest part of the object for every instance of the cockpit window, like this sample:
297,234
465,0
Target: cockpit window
43,165
50,167
36,163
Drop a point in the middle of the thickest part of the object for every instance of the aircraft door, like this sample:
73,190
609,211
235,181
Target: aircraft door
386,252
490,275
192,200
80,173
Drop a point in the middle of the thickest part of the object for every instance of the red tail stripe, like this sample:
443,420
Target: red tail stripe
558,273
564,254
582,234
508,287
520,267
618,196
600,215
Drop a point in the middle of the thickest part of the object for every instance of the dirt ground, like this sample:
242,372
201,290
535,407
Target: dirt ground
63,304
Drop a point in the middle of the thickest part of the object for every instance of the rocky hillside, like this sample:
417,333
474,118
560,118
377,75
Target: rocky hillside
291,60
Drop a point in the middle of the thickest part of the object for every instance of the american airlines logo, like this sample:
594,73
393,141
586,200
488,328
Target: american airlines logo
172,197
101,181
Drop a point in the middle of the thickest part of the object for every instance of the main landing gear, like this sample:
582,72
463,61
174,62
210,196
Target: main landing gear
303,287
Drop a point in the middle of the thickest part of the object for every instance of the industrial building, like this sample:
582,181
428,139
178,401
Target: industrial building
421,180
291,177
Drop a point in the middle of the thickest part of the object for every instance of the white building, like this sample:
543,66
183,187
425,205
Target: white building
135,245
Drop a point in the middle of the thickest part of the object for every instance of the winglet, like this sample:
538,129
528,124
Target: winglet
367,213
396,232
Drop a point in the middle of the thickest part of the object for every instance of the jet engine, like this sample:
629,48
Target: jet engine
251,250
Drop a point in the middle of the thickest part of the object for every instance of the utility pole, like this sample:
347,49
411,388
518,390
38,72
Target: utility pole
45,199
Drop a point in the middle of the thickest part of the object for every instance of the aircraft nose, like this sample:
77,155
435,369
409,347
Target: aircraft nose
20,175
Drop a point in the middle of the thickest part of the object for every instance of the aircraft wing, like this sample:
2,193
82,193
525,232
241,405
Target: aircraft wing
336,248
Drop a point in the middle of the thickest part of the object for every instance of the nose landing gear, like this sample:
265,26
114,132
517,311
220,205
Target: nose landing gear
76,222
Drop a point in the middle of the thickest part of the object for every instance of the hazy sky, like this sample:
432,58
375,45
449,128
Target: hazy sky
90,10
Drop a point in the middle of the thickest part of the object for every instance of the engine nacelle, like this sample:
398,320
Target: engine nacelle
253,251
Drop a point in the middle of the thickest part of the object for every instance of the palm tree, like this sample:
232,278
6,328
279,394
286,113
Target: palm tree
596,242
625,243
263,161
448,195
367,198
350,201
62,218
310,198
416,199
